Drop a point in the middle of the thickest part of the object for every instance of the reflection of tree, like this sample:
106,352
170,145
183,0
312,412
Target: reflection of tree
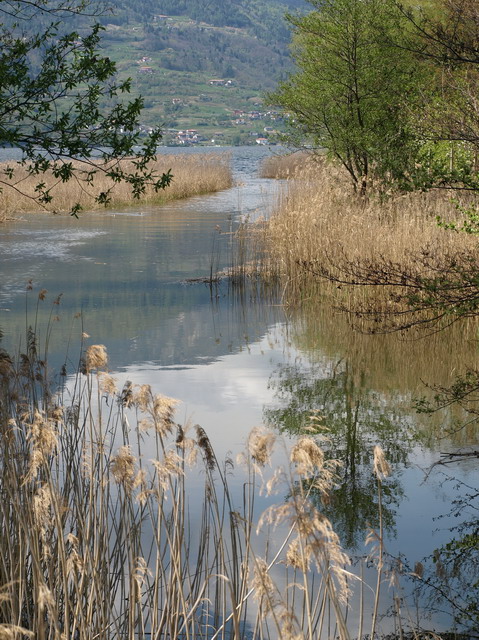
357,418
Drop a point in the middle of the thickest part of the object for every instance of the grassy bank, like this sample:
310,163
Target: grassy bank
322,230
193,174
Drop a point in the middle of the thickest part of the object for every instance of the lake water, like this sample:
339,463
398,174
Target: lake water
237,360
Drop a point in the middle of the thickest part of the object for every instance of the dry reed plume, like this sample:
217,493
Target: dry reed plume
99,539
192,175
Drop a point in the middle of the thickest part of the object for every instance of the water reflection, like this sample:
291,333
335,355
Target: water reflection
124,279
126,273
364,389
450,577
356,419
399,368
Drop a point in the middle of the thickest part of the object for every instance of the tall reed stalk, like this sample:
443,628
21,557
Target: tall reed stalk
117,522
320,225
285,166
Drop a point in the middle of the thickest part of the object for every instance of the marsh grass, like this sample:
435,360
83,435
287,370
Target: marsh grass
96,536
193,174
285,166
99,537
321,226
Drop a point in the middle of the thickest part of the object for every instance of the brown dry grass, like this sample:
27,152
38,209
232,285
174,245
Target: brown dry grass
320,220
117,522
285,166
192,175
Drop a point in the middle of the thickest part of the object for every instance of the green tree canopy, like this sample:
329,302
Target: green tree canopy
354,91
444,36
60,102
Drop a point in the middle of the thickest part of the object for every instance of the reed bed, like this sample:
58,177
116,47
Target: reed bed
285,166
320,226
99,539
193,174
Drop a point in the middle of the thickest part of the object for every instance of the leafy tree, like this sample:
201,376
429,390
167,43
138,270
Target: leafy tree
432,291
352,93
447,33
60,102
443,37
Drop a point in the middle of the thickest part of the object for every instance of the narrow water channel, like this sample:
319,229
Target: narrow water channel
236,362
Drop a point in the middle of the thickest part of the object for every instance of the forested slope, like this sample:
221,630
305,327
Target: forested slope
202,65
174,49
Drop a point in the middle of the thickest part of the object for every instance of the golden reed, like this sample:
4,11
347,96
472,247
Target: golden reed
320,221
193,174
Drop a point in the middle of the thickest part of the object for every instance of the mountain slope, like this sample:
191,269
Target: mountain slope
178,51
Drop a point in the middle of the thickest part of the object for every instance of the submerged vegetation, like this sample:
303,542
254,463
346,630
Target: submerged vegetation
192,174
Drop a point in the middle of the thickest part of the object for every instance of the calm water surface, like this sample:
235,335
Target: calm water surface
237,361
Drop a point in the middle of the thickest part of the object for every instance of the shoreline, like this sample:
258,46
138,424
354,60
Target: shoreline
193,174
322,238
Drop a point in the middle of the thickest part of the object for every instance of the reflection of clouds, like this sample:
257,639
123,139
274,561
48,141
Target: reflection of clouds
226,397
429,490
247,385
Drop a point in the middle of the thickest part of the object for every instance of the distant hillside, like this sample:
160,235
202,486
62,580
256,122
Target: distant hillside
256,16
203,64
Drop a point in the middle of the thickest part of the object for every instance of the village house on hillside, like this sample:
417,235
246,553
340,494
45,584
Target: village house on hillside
189,136
217,82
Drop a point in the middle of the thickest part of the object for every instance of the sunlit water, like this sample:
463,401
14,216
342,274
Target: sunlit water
233,361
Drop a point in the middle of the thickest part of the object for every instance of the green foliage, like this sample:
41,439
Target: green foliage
445,164
353,91
52,90
470,222
188,49
261,17
218,52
